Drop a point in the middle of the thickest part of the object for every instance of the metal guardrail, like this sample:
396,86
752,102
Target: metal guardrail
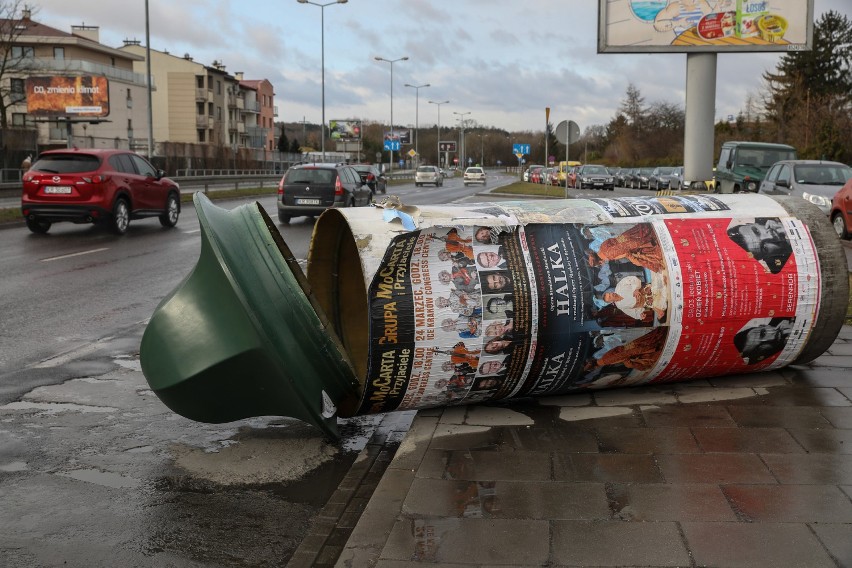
189,184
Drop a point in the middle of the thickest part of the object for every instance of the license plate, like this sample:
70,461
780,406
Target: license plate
598,184
307,202
58,189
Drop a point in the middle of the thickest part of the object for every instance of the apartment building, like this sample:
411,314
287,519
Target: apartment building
191,102
42,51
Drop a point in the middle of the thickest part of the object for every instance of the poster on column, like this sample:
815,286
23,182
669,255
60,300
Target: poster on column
666,290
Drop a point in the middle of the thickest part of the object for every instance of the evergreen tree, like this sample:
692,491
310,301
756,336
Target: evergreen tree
283,143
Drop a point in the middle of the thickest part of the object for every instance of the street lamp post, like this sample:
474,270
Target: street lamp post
391,62
439,103
461,142
322,40
417,114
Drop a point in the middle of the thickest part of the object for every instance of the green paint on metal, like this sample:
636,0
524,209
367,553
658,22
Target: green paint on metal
240,337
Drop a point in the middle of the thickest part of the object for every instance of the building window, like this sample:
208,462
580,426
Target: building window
199,109
199,81
210,109
19,119
129,99
219,113
218,87
17,87
201,135
59,53
209,82
21,51
130,129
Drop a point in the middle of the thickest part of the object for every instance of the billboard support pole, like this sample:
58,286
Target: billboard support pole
700,108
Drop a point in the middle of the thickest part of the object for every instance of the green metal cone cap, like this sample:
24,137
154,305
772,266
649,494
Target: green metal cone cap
240,336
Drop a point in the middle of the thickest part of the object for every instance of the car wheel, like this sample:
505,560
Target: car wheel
837,222
38,227
169,218
285,219
120,217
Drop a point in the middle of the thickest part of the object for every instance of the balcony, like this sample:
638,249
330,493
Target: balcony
203,121
203,95
252,106
71,66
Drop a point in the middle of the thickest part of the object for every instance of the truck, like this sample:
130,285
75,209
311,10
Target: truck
743,165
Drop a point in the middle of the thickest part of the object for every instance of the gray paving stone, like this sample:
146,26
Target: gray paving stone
478,465
825,440
836,539
469,541
838,417
755,545
790,503
603,468
669,502
747,440
647,440
688,415
714,468
506,500
779,417
814,469
616,543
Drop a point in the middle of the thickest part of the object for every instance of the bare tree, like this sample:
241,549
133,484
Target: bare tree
16,60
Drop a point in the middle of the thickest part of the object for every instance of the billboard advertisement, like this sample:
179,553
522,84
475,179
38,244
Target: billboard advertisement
84,95
345,130
403,135
679,26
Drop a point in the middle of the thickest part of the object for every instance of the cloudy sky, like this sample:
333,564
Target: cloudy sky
503,61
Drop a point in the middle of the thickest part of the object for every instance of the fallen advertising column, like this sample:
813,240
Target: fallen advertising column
416,307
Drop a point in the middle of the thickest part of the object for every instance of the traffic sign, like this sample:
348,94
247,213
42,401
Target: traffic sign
391,145
412,153
446,146
520,149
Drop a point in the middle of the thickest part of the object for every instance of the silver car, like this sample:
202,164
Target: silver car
428,174
816,181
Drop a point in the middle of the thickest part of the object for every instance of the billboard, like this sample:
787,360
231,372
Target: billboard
680,26
345,130
55,95
404,136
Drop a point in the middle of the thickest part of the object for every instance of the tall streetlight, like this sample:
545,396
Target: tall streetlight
417,114
439,103
322,39
391,61
461,142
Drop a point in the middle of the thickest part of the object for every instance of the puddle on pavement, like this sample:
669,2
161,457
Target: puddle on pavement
105,478
56,407
14,466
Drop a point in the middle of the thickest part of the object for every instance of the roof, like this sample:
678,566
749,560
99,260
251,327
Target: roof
36,32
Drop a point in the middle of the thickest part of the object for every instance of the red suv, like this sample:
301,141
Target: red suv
96,186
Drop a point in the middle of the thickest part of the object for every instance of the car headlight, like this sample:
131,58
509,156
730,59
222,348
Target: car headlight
817,200
751,186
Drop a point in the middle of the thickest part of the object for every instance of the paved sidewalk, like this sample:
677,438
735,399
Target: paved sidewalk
750,470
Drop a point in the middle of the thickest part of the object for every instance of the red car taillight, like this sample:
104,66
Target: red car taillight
281,187
338,187
371,177
97,178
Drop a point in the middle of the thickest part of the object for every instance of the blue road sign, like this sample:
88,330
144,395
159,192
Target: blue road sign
520,148
392,145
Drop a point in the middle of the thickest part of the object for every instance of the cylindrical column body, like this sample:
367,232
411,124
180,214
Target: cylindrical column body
407,307
496,301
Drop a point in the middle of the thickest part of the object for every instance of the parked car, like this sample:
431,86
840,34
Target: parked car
841,211
535,174
428,174
310,189
110,187
594,176
676,178
659,178
641,178
553,177
528,171
563,168
474,174
627,177
813,180
372,175
572,176
743,165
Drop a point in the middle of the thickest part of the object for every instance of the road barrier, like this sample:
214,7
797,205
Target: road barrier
416,307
